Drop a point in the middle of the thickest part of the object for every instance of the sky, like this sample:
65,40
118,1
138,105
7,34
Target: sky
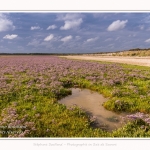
73,32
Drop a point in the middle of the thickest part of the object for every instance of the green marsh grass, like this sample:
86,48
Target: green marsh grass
31,99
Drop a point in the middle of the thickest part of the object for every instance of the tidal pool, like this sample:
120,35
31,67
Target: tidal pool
91,102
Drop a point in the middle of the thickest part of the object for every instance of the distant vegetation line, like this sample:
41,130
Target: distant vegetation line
38,53
48,53
130,52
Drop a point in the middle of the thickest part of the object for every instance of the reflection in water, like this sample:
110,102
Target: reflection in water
91,102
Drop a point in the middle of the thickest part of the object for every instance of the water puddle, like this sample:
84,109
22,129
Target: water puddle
91,102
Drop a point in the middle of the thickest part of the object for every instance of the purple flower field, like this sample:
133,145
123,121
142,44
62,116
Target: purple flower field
31,85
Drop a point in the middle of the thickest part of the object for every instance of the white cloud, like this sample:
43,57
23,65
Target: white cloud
117,38
147,41
71,24
34,42
69,16
132,35
117,25
52,27
92,39
35,28
77,37
71,20
108,39
141,27
67,38
49,38
5,23
10,37
146,19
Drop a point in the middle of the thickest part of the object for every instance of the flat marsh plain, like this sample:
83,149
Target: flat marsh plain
31,86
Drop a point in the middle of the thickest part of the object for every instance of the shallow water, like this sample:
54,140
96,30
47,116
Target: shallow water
91,102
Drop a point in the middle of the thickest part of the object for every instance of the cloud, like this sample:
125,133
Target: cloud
52,27
69,16
10,37
141,27
49,38
132,35
34,42
108,39
91,39
77,37
5,23
67,38
35,28
117,38
71,20
147,41
117,25
71,24
146,19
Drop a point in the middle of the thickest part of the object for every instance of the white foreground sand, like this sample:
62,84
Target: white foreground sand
142,61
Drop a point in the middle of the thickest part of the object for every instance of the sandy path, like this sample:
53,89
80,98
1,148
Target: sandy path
142,61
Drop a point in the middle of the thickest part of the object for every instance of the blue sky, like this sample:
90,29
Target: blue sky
73,32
